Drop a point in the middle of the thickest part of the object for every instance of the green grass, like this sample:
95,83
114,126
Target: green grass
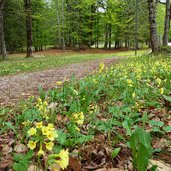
20,64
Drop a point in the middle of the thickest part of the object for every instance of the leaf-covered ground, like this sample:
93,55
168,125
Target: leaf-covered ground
116,119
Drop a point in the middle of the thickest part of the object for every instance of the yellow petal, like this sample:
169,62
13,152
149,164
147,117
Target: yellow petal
45,130
31,145
49,145
39,125
31,131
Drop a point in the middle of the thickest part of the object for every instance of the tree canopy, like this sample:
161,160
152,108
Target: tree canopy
79,24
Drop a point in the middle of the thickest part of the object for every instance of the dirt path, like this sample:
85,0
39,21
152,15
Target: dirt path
14,88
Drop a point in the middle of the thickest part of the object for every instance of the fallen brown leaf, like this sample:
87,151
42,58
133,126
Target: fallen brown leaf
162,166
6,161
6,149
20,148
74,164
34,168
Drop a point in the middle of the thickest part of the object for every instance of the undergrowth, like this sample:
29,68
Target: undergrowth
129,104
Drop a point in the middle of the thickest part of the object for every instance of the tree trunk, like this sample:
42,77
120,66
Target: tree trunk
116,44
106,37
27,5
110,36
155,44
91,24
167,24
62,22
2,37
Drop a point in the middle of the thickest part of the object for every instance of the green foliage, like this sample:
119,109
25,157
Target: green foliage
115,152
77,24
14,25
166,49
21,162
167,128
140,144
120,102
160,19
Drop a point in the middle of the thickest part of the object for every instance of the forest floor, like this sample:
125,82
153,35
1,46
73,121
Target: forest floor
21,86
87,51
131,99
53,58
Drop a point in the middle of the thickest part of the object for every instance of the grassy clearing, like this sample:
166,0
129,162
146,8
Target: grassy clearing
15,65
128,104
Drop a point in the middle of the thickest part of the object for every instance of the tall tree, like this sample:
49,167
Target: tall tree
41,14
155,44
14,25
27,5
2,37
167,24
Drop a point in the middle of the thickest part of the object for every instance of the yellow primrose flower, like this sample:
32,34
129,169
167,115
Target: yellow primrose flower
158,81
31,145
44,110
129,81
26,123
75,92
138,77
49,145
52,135
64,159
78,118
39,125
31,131
93,108
41,108
39,100
50,127
59,83
161,90
31,97
101,67
83,98
45,130
107,70
133,95
45,103
95,81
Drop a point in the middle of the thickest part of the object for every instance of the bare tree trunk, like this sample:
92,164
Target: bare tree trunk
110,35
58,25
155,44
62,22
27,5
2,37
97,42
167,24
106,37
